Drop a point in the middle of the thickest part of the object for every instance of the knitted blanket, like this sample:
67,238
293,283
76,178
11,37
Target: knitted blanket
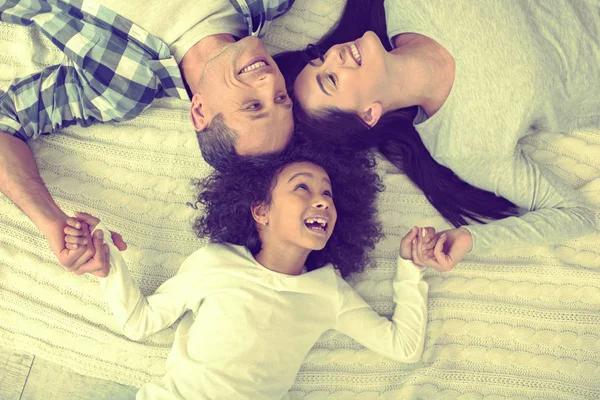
511,323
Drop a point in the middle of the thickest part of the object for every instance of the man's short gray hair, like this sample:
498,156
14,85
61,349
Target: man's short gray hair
217,143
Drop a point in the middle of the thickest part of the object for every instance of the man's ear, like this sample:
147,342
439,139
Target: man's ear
260,213
197,113
372,114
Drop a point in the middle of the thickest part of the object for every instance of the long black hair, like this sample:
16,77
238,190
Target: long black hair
394,135
228,196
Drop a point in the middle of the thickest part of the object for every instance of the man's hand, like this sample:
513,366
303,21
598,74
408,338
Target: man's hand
75,232
79,231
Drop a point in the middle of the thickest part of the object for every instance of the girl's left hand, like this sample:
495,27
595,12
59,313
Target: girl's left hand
424,238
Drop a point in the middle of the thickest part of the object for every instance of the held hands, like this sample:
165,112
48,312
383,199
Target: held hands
440,251
94,253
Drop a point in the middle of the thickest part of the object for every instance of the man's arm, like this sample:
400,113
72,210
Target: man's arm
20,181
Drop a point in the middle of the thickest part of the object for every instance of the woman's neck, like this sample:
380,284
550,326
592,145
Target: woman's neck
421,73
282,259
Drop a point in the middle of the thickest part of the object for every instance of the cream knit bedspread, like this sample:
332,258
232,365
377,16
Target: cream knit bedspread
514,323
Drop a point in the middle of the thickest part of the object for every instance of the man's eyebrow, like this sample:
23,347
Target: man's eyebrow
300,173
321,85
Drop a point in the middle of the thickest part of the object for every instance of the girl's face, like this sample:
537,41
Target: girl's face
301,213
349,76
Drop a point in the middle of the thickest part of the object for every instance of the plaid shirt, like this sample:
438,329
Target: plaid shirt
260,13
113,70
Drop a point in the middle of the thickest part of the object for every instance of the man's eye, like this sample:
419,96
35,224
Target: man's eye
253,106
281,99
331,79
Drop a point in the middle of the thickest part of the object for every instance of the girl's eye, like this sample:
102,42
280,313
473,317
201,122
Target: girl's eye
302,186
253,106
328,193
281,99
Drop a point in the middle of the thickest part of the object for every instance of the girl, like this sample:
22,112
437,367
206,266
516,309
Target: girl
459,86
256,300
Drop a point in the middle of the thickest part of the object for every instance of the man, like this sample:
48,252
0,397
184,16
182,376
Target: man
113,71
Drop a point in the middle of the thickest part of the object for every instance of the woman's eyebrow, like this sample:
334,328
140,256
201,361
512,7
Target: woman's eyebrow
320,83
299,174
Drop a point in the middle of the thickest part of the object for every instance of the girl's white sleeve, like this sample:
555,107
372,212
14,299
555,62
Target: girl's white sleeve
137,315
403,337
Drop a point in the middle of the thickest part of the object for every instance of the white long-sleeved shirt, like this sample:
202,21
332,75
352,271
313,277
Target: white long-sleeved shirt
246,329
521,65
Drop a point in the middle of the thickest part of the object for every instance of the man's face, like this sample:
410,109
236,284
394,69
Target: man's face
244,84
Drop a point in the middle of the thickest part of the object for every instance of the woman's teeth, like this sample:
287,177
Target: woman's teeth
355,54
252,67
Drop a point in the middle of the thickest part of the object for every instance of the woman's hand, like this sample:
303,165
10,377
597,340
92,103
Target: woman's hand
441,251
451,247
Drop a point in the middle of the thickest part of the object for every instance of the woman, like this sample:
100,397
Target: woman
467,82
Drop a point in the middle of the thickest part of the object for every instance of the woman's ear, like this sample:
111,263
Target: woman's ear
197,113
372,114
260,213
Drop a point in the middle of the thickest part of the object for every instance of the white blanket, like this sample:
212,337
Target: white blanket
513,323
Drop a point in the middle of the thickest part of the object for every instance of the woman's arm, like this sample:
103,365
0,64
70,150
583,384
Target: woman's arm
556,212
403,337
140,316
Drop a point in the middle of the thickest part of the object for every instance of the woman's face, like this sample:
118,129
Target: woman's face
349,76
301,213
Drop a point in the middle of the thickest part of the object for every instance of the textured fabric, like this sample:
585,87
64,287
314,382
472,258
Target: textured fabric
508,324
246,329
521,66
113,69
196,19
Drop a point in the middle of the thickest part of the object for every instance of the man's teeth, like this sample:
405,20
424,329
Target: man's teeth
356,54
254,66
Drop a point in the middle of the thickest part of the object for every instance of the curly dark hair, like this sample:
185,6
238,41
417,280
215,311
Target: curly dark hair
227,197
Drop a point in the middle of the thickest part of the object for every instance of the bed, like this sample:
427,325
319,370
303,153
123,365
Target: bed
507,324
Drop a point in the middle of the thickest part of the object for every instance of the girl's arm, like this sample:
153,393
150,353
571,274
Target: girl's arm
403,337
140,316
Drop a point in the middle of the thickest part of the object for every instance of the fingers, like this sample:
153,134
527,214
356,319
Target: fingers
429,241
87,218
118,241
444,262
417,252
406,243
98,264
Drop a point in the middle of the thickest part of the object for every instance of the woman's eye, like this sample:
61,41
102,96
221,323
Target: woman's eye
281,99
253,106
328,193
302,186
